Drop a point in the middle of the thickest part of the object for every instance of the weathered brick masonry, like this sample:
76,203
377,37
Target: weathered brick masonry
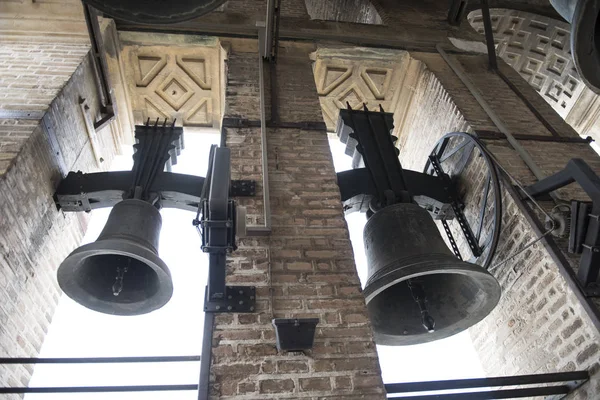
306,268
539,325
34,236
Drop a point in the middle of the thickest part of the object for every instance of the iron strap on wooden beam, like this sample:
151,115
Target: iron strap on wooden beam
491,135
21,114
230,122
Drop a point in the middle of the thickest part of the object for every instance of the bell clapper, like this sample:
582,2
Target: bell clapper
118,285
418,294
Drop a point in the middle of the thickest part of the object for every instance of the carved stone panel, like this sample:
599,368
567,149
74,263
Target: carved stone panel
175,82
539,49
357,79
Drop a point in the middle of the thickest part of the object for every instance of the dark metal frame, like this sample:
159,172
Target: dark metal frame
457,12
567,383
578,171
434,164
100,67
99,389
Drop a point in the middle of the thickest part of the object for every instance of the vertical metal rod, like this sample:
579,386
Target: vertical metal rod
266,229
274,94
266,46
204,385
489,35
91,19
486,192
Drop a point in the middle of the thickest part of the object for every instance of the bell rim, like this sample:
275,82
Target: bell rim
441,264
582,28
117,247
445,267
141,17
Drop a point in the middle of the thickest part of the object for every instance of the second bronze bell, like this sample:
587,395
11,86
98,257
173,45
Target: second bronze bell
417,290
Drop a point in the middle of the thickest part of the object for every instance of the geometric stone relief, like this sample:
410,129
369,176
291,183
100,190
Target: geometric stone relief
171,82
539,49
355,79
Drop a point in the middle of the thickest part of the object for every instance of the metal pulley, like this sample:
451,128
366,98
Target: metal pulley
417,290
120,273
155,11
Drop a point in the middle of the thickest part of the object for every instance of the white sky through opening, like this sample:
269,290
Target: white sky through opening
176,329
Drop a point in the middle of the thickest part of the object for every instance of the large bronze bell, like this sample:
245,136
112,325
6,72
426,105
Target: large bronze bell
417,290
584,17
120,273
155,11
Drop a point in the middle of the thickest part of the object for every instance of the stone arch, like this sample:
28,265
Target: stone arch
538,48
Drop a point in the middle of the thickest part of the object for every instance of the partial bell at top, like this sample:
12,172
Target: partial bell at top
417,290
584,17
155,11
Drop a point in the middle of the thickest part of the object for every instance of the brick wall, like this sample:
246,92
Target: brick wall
49,21
32,73
305,268
539,325
34,236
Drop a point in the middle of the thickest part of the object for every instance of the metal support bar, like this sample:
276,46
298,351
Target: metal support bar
105,92
569,381
456,206
204,385
99,360
357,181
560,391
457,12
21,114
490,135
267,45
86,192
458,70
230,122
264,230
578,171
557,255
489,35
372,132
100,389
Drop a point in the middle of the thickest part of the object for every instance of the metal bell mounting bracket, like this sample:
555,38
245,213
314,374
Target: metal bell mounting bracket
218,226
